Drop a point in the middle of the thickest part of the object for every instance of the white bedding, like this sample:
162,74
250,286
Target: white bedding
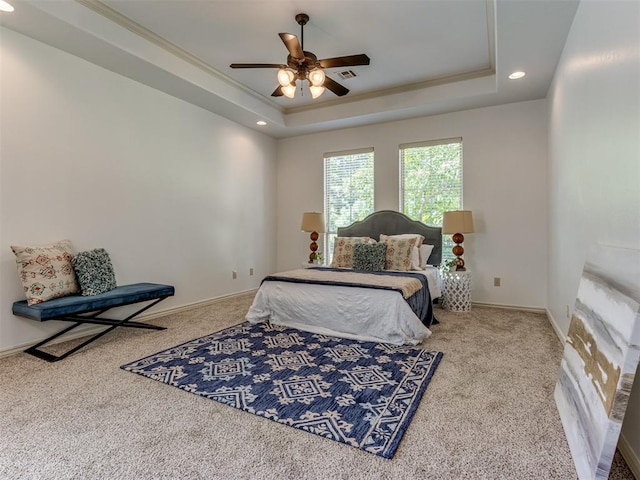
434,280
350,312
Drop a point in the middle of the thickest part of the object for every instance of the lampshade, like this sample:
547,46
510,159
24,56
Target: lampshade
312,222
316,77
285,77
316,91
459,221
289,90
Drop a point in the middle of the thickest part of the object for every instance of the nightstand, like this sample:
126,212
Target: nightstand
456,291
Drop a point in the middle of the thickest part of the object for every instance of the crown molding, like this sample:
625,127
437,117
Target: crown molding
485,72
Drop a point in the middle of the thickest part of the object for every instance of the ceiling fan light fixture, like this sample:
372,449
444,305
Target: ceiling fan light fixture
316,90
285,77
317,77
6,6
289,90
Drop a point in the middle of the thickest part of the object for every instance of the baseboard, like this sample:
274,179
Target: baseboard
92,330
509,307
633,462
85,332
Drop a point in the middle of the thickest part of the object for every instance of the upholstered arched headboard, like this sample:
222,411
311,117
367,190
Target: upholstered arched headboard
390,222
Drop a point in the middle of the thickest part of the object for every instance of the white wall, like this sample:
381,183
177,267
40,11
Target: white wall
594,154
174,193
504,156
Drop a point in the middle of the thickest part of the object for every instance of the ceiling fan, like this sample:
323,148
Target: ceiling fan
302,65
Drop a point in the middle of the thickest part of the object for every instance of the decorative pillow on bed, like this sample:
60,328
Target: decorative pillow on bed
46,271
94,271
369,256
343,250
399,252
417,261
425,253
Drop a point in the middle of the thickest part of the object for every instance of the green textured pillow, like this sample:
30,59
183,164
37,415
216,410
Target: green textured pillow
369,256
94,271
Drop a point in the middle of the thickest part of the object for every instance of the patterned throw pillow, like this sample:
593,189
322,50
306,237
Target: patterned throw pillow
46,271
369,256
343,250
399,252
417,261
94,271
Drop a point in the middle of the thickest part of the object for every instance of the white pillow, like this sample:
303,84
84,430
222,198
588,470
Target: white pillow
425,252
416,261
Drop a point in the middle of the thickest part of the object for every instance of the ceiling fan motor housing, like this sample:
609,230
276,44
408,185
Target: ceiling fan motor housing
303,67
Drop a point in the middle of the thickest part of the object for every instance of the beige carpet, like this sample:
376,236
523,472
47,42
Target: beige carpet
488,413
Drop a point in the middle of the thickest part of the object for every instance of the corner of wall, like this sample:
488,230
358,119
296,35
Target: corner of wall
561,336
633,461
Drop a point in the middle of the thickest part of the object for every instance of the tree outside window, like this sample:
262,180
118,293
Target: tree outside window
431,182
348,191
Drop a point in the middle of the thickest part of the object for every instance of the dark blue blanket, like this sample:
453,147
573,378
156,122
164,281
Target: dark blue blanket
420,302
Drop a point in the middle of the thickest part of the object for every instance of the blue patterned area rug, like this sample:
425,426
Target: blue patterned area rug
363,394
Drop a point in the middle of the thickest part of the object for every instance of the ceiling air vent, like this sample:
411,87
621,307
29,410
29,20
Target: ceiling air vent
345,75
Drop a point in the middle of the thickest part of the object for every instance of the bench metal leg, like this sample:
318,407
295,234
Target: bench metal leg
92,319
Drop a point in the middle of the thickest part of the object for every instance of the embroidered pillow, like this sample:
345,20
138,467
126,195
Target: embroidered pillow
343,250
46,271
94,271
369,256
399,252
417,261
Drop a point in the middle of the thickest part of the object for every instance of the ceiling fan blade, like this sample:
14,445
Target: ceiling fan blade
346,61
335,87
257,65
277,92
293,45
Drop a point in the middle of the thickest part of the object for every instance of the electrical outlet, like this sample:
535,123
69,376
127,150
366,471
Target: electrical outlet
251,272
234,274
496,281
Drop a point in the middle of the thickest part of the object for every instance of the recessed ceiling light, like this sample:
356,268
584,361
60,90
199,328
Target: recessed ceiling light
517,75
262,123
6,7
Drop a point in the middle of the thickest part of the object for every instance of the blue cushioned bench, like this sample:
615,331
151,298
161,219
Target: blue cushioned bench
86,309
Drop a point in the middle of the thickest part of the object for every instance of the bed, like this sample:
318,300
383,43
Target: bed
369,313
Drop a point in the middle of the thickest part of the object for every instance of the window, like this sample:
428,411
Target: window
431,182
348,191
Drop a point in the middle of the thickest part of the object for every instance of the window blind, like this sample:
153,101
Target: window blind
348,191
